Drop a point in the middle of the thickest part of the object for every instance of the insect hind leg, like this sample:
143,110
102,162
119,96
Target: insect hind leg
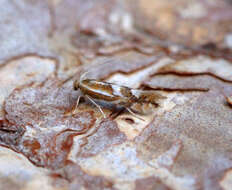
96,106
135,115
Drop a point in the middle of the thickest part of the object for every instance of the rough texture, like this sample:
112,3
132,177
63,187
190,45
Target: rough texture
182,48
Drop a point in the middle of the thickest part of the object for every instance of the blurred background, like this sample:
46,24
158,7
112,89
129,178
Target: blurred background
182,48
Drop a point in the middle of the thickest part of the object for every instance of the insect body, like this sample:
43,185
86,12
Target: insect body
116,94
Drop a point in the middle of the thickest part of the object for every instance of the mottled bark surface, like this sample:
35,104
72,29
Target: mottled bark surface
181,48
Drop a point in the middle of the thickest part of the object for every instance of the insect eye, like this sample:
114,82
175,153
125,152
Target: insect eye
75,85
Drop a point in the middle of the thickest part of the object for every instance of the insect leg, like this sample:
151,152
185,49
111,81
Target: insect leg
77,103
96,105
130,111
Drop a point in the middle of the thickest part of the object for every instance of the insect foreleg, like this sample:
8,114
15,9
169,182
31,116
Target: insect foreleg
77,103
96,105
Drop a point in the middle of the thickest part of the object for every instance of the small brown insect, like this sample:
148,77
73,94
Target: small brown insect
119,95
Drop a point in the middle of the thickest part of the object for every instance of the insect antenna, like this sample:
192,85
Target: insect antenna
105,60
